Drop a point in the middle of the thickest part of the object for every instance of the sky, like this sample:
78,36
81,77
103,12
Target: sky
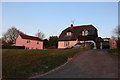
51,18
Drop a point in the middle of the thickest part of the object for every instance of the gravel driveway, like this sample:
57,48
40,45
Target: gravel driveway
88,64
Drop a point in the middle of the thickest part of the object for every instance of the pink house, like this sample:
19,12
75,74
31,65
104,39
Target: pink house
30,42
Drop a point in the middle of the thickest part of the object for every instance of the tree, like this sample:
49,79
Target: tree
117,35
10,36
117,32
45,43
42,35
53,41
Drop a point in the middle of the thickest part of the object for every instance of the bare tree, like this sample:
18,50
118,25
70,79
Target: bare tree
42,35
11,35
117,35
117,32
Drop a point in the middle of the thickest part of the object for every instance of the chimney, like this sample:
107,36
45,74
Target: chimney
38,35
71,25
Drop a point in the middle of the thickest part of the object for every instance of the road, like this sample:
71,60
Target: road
88,64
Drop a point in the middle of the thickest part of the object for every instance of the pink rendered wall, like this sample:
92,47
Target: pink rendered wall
32,45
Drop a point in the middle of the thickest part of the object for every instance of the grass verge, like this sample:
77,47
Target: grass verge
114,51
18,63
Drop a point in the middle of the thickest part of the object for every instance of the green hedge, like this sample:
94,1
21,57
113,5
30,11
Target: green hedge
12,47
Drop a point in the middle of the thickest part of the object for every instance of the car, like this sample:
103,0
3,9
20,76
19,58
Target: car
89,44
74,46
78,45
84,44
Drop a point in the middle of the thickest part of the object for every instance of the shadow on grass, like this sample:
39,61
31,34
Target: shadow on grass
24,63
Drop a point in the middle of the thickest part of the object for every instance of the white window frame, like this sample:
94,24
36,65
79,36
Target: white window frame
84,32
69,33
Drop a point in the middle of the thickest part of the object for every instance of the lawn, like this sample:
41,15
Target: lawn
18,63
114,51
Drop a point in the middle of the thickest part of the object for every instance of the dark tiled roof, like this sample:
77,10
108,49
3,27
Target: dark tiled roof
30,37
77,32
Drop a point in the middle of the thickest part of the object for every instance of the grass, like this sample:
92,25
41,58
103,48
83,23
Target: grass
18,63
114,51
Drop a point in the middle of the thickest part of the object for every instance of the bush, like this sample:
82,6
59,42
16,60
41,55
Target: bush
114,51
12,47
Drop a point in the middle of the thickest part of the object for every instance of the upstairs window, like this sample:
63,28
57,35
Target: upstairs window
84,32
28,41
69,33
37,42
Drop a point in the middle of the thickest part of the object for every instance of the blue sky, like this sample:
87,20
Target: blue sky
53,17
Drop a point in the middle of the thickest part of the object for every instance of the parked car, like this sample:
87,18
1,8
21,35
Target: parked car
81,45
89,44
78,45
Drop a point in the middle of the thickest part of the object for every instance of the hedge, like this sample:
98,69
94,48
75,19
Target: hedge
12,47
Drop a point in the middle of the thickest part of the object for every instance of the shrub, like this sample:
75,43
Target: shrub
12,47
114,51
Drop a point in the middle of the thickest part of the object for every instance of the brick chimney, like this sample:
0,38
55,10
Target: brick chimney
71,25
38,35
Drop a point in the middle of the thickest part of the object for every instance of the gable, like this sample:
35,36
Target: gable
19,37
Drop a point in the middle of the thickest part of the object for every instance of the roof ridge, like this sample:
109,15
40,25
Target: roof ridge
24,36
83,25
79,26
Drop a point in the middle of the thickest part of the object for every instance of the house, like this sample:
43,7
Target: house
75,34
30,42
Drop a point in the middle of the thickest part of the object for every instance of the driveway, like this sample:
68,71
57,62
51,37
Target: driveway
88,64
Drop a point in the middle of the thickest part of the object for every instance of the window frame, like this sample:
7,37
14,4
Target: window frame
69,33
28,41
85,32
66,43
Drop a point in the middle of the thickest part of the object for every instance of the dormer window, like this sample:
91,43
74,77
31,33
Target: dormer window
69,33
84,32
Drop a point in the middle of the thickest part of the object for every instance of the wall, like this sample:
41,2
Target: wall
61,44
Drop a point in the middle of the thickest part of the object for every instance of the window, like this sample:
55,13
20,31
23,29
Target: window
66,43
28,41
84,33
69,33
37,42
27,48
